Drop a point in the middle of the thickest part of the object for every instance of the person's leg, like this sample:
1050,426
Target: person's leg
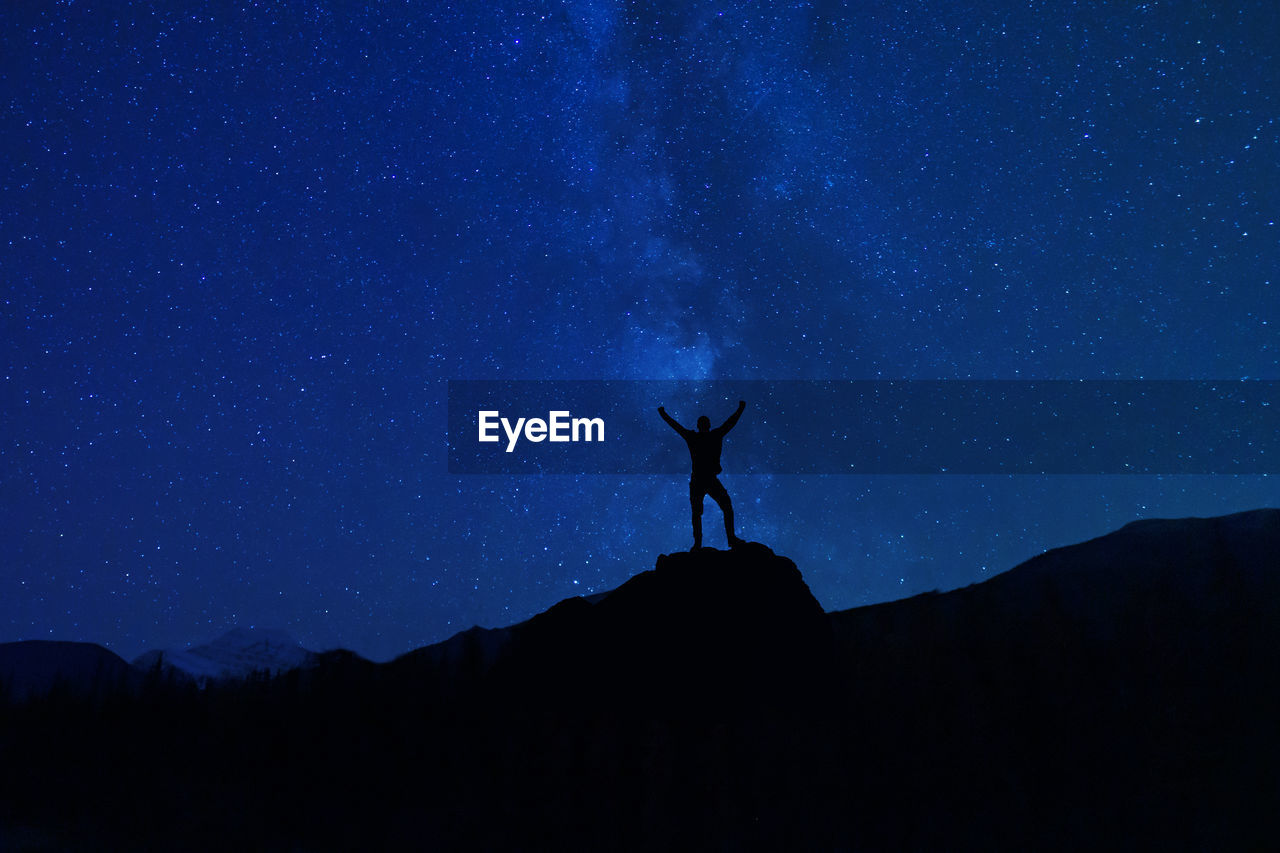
721,496
695,499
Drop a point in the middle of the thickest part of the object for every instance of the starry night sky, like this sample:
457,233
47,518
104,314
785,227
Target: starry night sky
245,245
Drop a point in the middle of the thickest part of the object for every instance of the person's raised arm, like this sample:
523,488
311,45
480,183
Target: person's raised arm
671,421
733,419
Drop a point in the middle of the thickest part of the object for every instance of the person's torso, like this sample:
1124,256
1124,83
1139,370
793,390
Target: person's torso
704,451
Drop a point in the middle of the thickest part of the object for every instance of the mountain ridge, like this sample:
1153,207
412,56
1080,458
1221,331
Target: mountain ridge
1121,692
1261,520
242,651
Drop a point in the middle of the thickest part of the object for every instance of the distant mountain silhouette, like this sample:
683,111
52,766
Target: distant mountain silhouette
1131,681
1207,565
33,668
1118,693
37,667
476,648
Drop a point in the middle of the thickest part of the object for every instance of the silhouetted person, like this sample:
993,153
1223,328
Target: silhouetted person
704,451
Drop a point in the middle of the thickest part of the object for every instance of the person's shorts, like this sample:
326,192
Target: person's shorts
702,486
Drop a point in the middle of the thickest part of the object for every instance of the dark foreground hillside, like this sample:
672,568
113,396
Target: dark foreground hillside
1120,692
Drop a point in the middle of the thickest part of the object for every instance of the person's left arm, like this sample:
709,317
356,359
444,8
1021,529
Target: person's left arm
672,423
733,419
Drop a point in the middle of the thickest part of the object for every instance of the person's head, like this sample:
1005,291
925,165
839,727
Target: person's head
704,423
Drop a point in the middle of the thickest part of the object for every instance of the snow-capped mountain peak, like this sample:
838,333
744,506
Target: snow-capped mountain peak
236,654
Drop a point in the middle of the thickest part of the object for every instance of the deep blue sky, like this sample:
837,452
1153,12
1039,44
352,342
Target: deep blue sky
244,246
